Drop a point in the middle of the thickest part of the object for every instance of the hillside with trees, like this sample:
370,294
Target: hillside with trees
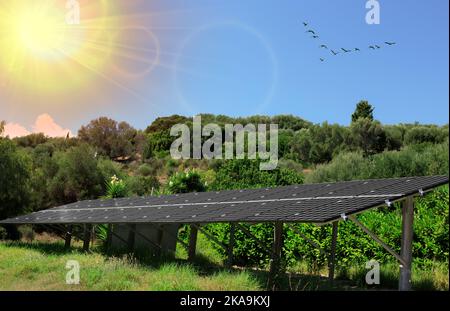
39,172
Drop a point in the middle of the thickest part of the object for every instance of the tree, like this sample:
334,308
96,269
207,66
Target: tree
290,122
111,138
157,144
79,176
14,182
319,143
166,123
186,182
368,135
363,111
242,174
31,140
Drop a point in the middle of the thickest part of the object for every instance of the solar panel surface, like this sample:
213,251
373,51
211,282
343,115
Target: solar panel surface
318,203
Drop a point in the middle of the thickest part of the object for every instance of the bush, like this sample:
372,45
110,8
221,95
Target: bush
186,182
419,160
145,170
109,137
116,188
78,176
241,174
110,168
368,135
426,134
158,144
142,185
15,172
345,166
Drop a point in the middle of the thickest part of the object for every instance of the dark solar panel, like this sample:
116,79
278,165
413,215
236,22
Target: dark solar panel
298,203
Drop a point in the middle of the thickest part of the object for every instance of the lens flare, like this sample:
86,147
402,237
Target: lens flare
41,51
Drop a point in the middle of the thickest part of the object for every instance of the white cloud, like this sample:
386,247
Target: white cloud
44,124
14,130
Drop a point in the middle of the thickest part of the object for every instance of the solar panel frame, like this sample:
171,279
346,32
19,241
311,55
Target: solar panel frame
318,203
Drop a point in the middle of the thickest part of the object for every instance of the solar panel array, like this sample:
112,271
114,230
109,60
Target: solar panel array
318,203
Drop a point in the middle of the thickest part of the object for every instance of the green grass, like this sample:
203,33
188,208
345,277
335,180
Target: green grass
41,266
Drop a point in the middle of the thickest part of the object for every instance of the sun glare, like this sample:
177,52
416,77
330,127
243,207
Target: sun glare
40,32
40,50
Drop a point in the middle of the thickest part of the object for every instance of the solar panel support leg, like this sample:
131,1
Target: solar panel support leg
159,239
275,262
131,237
93,235
192,242
109,237
332,259
406,248
231,245
68,237
87,237
376,239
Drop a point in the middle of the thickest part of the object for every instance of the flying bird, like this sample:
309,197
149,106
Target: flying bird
315,37
372,47
324,46
311,31
322,59
377,46
334,53
345,51
357,50
305,24
390,43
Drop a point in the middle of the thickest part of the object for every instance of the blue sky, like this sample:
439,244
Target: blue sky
249,57
254,57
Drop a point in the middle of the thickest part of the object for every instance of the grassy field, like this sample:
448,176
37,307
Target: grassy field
41,265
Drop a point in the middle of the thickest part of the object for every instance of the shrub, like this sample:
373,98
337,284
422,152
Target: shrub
15,172
142,185
145,170
424,134
116,188
241,174
186,182
110,168
78,176
419,160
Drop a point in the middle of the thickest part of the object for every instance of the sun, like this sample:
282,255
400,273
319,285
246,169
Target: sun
41,32
40,50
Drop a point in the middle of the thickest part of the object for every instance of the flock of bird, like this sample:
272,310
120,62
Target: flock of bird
335,52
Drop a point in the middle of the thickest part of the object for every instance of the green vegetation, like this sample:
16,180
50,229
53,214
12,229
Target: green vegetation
415,160
112,159
41,266
38,266
363,111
